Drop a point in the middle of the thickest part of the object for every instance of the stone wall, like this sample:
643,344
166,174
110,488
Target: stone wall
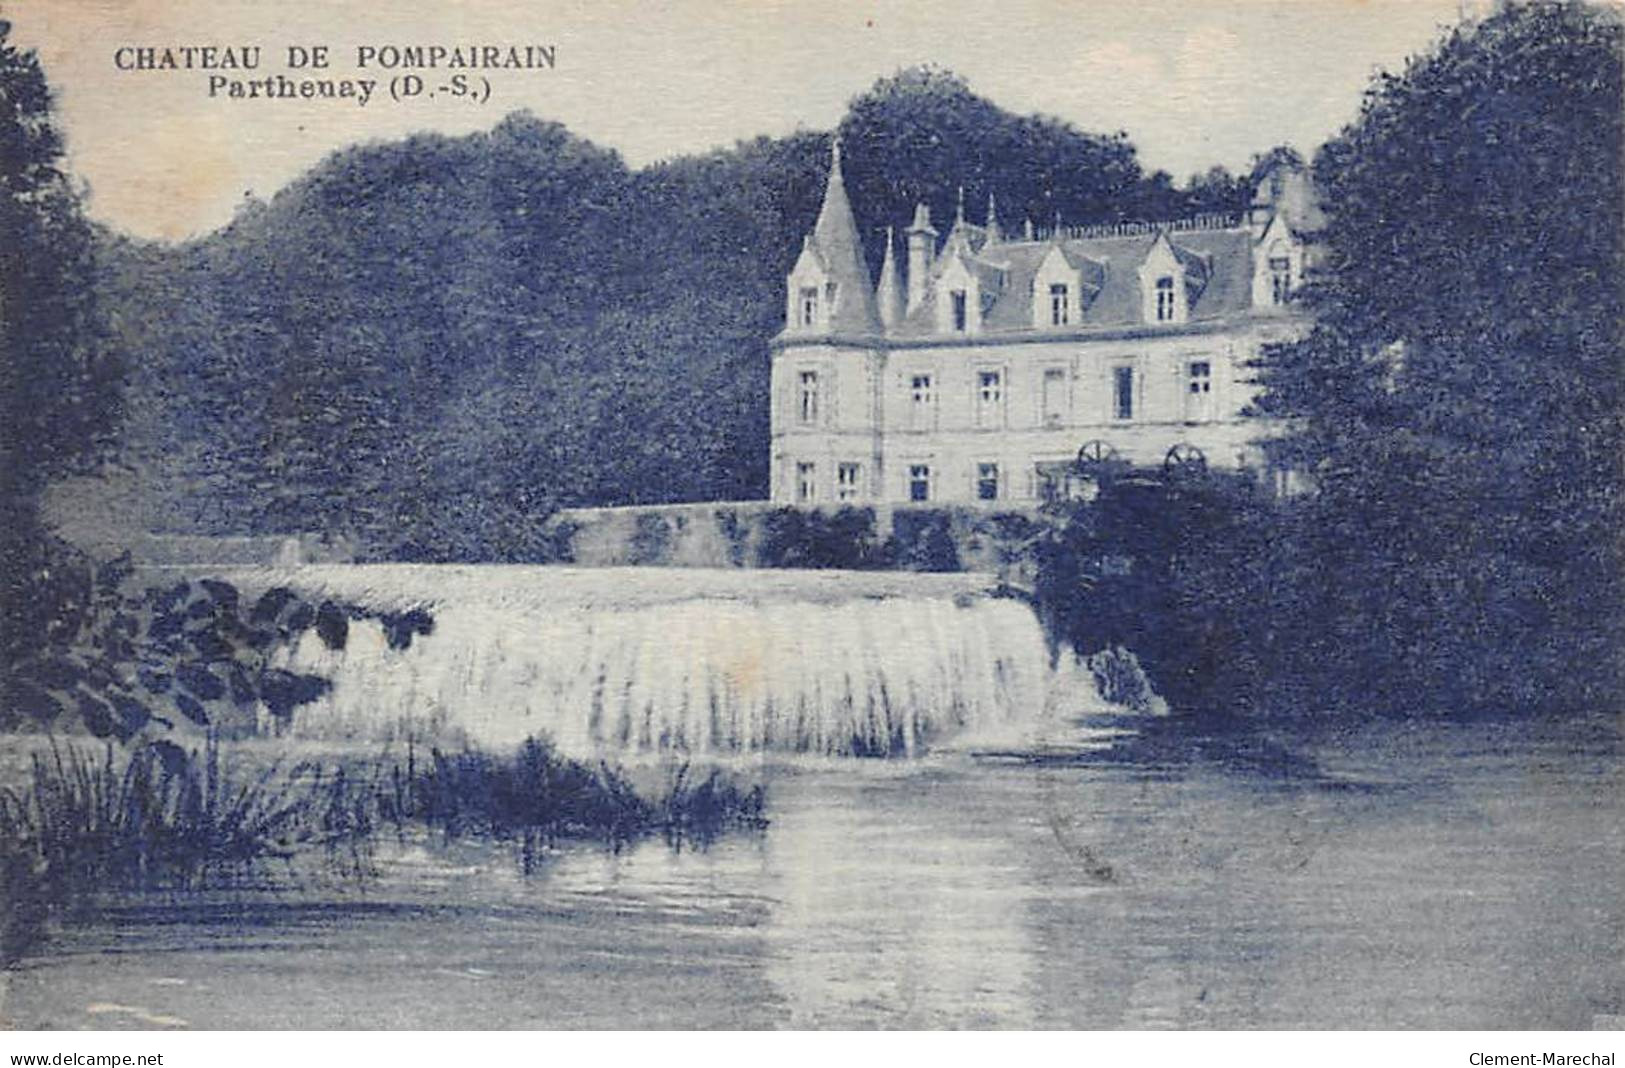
760,534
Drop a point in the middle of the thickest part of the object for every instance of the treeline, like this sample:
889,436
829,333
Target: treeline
427,346
1459,410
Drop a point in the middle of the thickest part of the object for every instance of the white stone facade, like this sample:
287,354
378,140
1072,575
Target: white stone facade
1011,355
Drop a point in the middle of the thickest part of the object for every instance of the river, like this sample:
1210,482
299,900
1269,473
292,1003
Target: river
1392,876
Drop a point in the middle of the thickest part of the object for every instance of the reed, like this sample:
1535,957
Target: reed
150,818
161,817
541,796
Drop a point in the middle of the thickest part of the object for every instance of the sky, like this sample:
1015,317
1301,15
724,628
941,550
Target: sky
1193,83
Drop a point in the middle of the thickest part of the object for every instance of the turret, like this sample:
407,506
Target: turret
993,235
922,248
889,294
829,288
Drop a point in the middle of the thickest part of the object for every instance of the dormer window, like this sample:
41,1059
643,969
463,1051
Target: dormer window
809,305
957,301
1280,265
1060,312
1167,310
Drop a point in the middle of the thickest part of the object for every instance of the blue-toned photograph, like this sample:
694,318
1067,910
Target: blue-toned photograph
836,516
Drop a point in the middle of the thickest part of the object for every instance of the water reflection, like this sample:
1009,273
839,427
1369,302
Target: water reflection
1475,887
901,904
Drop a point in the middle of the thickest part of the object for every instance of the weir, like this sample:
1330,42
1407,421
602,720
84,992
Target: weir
647,660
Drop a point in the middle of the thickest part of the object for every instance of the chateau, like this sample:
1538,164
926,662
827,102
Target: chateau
980,371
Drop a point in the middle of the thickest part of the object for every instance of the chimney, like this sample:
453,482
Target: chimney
922,246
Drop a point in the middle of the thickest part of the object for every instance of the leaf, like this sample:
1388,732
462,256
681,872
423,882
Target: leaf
332,625
100,718
270,604
191,709
155,681
283,691
201,682
222,593
210,645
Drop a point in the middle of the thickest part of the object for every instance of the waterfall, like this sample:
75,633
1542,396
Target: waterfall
632,661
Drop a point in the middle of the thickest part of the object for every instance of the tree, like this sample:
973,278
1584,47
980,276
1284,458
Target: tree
1217,190
1459,403
58,384
922,135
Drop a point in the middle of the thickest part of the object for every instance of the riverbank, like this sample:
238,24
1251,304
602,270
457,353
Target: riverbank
82,821
1433,875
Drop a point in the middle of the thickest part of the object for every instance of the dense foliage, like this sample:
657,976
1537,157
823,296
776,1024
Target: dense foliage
116,657
428,345
58,384
1458,407
1460,403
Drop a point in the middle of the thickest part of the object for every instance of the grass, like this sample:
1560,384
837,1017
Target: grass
159,817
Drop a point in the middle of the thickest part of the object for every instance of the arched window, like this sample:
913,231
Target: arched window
808,407
1165,299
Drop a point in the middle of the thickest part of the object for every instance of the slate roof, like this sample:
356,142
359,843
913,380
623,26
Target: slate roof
835,238
1218,266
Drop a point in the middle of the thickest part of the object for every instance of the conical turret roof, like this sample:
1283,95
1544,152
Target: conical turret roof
836,238
889,294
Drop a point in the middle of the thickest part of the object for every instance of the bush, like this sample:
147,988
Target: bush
651,539
923,540
112,662
1191,576
539,798
794,537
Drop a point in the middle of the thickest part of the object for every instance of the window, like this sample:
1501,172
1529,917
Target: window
1280,277
958,300
829,296
1059,312
1198,390
989,398
848,476
987,482
808,397
809,305
1165,300
1123,392
1054,400
923,405
919,482
806,482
